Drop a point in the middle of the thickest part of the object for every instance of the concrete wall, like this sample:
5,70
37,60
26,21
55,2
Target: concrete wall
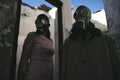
67,17
112,8
8,9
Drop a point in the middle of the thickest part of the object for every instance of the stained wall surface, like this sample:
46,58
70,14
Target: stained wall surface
8,14
112,8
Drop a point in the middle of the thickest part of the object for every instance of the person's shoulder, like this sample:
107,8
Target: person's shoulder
108,37
30,33
67,40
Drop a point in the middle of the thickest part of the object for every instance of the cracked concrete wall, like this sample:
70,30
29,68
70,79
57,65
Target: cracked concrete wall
8,14
112,9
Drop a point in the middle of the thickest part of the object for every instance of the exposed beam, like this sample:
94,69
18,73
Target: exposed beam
56,3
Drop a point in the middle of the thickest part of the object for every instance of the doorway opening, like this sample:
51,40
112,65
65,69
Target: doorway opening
27,24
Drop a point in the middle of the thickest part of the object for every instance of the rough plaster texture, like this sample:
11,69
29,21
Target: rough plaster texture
112,8
8,10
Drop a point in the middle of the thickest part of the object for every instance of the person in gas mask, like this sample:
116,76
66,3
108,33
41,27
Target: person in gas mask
89,54
37,55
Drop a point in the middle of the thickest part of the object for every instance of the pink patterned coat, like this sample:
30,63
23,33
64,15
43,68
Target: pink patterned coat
37,58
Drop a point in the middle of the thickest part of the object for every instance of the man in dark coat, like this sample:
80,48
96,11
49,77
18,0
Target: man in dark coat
88,54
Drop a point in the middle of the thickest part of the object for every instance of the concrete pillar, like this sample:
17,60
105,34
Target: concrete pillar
67,17
8,25
54,25
112,9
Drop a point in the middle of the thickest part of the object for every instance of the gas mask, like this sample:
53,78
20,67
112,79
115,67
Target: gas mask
82,15
42,22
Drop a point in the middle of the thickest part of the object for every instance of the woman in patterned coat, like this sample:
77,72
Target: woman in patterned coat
37,56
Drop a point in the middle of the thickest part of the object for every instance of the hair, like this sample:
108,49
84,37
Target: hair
44,29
